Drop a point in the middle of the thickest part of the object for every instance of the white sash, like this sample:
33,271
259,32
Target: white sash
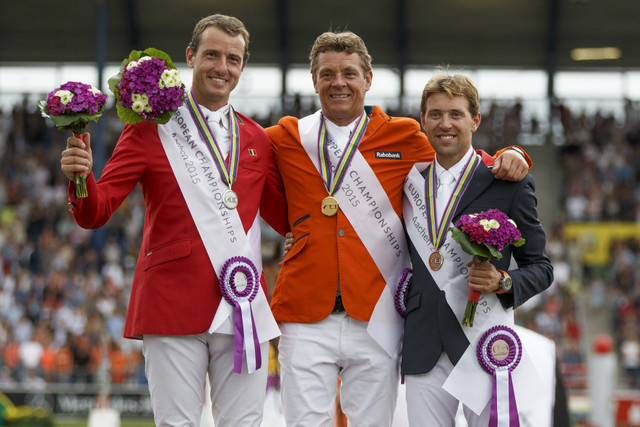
220,228
452,278
367,207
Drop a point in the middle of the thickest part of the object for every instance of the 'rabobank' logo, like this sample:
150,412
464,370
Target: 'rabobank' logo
396,155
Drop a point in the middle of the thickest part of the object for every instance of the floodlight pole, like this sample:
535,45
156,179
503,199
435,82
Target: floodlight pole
283,42
401,49
551,60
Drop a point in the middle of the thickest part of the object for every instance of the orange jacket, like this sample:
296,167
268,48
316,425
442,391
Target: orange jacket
327,249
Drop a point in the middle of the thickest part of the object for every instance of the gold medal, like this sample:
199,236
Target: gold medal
329,206
230,199
435,260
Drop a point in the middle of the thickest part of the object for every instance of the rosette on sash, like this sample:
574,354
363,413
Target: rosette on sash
402,292
499,351
239,283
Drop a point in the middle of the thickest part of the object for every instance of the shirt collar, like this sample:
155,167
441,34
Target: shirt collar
223,112
456,169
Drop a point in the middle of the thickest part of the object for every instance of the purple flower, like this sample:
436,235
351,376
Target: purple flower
75,98
73,105
491,228
150,88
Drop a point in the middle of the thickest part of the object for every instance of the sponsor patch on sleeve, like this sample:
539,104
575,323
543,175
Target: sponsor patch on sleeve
395,155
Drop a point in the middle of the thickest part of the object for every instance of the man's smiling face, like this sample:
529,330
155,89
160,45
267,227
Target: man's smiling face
449,126
217,66
341,85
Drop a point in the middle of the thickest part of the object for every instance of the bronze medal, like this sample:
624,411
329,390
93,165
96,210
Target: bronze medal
230,199
329,206
435,261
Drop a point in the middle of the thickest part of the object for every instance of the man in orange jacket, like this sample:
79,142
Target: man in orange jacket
343,170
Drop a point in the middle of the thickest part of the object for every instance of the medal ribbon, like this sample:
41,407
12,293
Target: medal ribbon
438,231
228,168
323,153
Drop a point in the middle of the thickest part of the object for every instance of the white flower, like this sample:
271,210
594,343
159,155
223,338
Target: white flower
94,90
140,103
488,224
512,222
138,107
131,65
65,96
176,76
169,78
138,97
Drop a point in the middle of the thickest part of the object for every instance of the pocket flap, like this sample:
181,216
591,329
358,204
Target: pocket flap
298,245
169,252
413,303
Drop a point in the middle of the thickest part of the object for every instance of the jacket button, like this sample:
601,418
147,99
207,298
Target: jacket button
340,233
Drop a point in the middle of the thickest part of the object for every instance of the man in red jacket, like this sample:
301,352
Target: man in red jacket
194,239
343,170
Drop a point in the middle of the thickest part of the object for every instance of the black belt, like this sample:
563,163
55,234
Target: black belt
338,307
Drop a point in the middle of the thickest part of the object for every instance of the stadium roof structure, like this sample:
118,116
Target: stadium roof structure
529,34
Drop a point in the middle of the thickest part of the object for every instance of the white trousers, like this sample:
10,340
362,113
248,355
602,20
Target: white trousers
176,367
428,404
314,355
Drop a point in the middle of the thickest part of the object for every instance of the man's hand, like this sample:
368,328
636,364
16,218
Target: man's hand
77,158
288,242
510,166
484,277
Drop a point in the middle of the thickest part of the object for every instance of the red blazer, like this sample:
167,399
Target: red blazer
175,289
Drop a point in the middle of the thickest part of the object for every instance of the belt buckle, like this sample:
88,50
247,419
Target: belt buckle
338,307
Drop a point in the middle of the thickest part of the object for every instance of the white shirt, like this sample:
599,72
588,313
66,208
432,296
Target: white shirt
444,192
338,138
219,124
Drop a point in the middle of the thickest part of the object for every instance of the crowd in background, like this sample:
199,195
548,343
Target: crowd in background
64,290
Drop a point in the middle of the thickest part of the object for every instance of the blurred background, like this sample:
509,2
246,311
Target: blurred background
561,78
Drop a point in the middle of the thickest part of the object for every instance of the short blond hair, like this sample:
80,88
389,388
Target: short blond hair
456,85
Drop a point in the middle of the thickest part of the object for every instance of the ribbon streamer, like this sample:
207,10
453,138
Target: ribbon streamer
246,335
499,351
228,168
402,292
333,183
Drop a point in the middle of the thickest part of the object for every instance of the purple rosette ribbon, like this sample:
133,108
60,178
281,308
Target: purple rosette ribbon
499,351
402,292
239,283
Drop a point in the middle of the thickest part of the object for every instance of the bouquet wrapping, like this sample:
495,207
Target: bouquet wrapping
484,235
71,107
147,88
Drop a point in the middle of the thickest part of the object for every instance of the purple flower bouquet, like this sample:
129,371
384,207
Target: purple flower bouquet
147,88
484,235
71,107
